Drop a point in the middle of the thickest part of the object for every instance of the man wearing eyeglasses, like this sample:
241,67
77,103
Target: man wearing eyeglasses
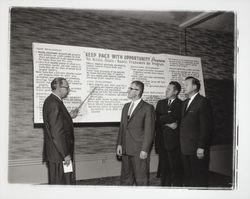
58,133
135,138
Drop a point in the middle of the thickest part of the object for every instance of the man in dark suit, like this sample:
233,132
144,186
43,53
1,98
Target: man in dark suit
195,133
135,138
58,133
168,115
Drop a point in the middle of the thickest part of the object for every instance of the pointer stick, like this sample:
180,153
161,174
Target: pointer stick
86,98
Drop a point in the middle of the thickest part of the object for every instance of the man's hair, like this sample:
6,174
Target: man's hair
195,82
140,85
56,81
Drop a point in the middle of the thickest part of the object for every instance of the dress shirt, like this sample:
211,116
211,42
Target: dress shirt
191,99
170,101
136,102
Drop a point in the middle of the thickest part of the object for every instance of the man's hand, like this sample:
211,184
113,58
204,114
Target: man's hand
74,113
200,153
119,150
172,125
143,155
67,160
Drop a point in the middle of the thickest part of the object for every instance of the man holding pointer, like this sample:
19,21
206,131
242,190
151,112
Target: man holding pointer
58,133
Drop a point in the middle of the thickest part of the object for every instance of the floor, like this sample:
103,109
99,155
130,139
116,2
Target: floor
216,181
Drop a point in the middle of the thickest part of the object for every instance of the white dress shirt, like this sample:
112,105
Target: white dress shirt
191,99
136,102
171,101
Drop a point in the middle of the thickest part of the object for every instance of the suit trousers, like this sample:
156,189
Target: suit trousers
57,175
195,171
134,170
171,167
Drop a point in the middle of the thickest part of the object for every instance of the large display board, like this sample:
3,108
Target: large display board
109,73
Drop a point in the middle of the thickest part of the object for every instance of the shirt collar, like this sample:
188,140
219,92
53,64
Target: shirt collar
171,100
57,96
191,98
137,101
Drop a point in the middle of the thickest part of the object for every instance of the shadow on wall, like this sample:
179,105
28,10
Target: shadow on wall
221,94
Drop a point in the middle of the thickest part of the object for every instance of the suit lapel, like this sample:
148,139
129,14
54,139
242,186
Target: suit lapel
192,104
184,108
66,112
136,109
126,111
172,103
63,106
165,107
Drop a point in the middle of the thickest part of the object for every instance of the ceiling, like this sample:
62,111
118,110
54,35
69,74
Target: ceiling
218,21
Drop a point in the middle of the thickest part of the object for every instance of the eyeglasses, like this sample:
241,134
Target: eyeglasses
130,88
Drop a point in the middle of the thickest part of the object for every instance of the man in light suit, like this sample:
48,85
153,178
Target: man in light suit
195,134
135,138
58,133
168,116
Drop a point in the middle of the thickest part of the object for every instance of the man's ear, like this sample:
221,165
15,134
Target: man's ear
195,87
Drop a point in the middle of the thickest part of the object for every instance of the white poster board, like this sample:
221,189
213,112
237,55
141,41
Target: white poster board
110,72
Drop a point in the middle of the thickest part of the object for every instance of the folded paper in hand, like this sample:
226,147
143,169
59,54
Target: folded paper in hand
67,168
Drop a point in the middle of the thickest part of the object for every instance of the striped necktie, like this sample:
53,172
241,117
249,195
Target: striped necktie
130,109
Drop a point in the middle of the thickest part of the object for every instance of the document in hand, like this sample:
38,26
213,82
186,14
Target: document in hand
67,168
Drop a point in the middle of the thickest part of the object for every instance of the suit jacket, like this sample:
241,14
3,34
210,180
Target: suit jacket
165,114
58,130
196,125
137,133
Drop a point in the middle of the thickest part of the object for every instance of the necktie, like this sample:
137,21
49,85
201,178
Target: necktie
188,99
130,109
169,102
